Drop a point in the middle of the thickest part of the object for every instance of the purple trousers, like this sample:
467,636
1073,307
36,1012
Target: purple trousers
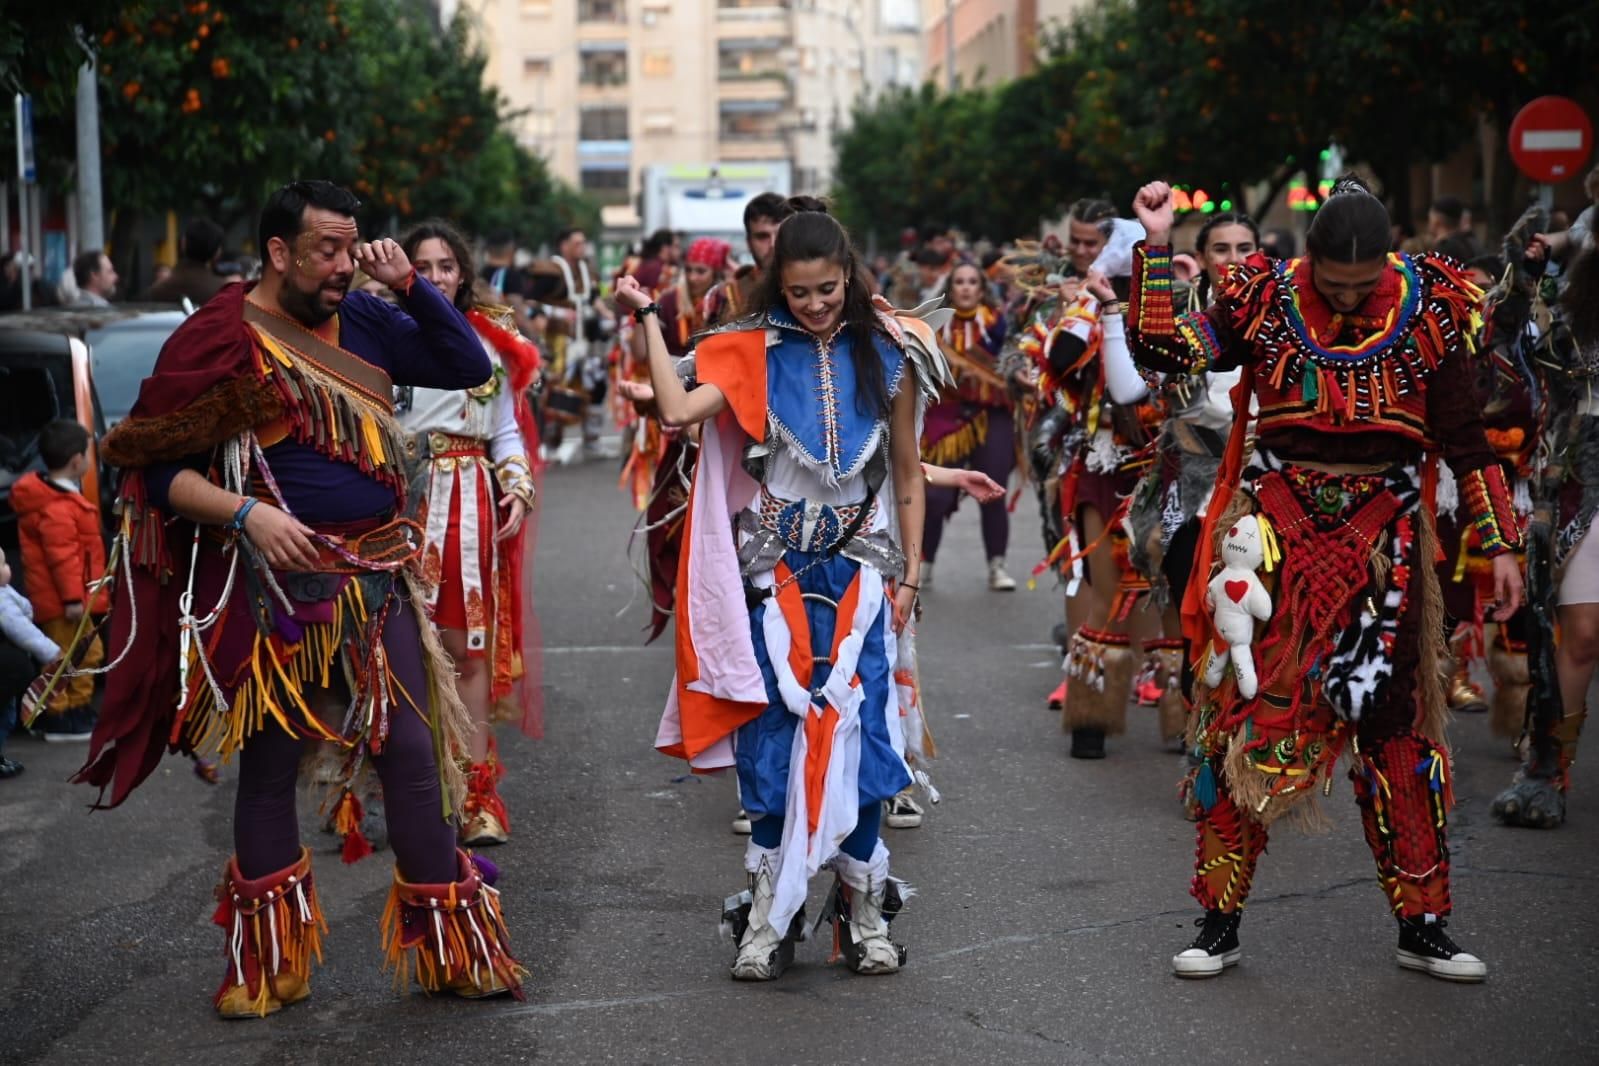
996,457
266,826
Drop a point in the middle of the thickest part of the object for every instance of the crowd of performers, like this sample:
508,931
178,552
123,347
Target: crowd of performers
1284,497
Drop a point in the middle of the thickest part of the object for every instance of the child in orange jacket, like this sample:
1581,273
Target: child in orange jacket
63,561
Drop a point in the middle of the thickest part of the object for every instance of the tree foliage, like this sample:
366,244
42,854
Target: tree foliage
213,103
1225,94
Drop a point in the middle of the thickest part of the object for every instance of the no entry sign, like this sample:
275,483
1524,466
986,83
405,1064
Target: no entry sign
1551,139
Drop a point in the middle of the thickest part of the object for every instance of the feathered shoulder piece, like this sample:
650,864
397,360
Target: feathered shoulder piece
1246,293
916,332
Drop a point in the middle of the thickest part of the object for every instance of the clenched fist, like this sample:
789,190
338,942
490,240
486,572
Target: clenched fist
1153,206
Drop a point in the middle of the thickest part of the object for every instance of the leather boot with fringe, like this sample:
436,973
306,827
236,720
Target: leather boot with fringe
452,936
1099,677
1170,706
274,926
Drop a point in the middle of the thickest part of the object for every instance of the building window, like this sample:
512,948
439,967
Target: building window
749,120
732,5
602,124
604,66
606,186
538,125
740,58
658,63
535,66
602,11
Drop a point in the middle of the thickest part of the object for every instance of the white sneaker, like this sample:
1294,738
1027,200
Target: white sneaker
904,812
741,823
998,579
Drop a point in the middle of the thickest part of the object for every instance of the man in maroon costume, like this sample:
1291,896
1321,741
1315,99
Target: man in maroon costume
270,595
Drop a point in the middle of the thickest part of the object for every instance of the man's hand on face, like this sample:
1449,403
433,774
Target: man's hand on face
383,260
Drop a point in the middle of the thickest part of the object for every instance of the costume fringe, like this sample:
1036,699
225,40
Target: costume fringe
452,722
955,447
274,927
1432,672
1512,678
1250,789
1099,678
451,936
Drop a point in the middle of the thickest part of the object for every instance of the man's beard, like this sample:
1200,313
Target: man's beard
305,307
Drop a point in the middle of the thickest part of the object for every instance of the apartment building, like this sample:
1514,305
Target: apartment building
610,87
990,41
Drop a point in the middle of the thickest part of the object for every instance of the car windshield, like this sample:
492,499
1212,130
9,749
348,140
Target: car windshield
123,355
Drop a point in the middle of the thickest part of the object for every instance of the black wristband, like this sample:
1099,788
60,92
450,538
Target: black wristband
650,309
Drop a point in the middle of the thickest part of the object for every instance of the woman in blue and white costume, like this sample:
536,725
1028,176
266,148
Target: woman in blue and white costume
799,574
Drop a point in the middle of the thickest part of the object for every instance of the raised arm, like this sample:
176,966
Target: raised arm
428,342
1161,339
675,405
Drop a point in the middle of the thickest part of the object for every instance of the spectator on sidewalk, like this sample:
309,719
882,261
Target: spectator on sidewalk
195,276
24,651
63,560
96,279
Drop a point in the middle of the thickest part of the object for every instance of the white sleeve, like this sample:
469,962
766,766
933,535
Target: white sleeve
1122,379
507,440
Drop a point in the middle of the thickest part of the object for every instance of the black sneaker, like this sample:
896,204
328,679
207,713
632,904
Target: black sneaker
9,767
1088,743
1424,946
75,725
1214,949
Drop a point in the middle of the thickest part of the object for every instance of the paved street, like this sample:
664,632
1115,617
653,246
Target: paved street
1053,892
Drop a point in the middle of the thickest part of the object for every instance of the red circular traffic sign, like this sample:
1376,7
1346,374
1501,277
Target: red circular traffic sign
1551,139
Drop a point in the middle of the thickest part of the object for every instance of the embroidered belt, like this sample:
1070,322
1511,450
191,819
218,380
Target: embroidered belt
806,525
451,446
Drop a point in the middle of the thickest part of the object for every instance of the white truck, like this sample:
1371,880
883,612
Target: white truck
707,199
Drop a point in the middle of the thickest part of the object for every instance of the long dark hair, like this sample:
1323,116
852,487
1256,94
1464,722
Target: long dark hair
1352,226
811,234
460,247
1580,301
984,297
1212,223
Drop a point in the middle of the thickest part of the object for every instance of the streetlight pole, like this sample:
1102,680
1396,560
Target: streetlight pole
91,210
949,45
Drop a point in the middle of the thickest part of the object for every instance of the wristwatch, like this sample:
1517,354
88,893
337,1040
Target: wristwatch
649,309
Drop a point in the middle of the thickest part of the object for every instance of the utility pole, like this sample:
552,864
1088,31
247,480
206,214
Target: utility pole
949,45
91,211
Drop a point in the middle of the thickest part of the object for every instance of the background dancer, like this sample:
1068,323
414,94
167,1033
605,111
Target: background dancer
973,426
473,489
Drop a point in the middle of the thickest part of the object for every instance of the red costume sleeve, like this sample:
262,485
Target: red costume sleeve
1217,338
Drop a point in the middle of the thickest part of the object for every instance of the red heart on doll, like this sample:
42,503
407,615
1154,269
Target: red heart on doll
1236,590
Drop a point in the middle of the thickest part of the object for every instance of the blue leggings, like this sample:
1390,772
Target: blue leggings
768,833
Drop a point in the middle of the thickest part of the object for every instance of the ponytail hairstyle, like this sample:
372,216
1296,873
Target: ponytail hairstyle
1352,226
1212,223
460,247
810,233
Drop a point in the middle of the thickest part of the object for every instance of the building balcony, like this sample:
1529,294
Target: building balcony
755,87
768,19
753,149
